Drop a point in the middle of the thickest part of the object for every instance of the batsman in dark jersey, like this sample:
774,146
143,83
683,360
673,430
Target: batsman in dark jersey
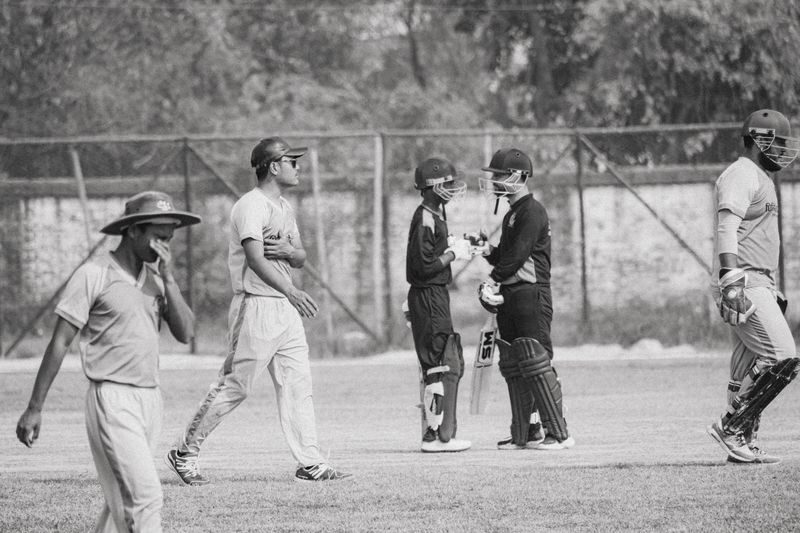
438,347
518,290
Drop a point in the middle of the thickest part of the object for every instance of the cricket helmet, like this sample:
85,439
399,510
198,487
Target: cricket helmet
510,168
771,132
440,175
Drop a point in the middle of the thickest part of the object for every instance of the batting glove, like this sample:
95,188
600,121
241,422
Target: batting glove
406,313
734,306
489,295
460,249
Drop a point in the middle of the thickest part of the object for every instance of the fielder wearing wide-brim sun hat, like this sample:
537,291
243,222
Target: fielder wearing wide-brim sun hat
151,207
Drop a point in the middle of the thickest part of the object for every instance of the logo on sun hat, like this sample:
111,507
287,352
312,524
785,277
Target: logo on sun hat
153,207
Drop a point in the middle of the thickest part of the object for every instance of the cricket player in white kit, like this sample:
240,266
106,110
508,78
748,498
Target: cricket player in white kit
117,303
746,254
265,327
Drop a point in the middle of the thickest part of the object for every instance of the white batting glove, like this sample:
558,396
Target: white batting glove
460,249
489,295
479,243
406,313
734,306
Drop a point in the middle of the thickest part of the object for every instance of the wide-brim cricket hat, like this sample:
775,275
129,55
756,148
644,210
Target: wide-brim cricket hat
271,149
153,207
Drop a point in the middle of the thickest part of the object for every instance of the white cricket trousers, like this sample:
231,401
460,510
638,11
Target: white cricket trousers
123,423
263,333
764,339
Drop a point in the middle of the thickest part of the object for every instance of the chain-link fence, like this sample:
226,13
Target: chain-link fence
631,213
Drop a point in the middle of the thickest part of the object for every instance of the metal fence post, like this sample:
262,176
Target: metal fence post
781,276
187,196
77,171
322,252
377,238
386,249
585,312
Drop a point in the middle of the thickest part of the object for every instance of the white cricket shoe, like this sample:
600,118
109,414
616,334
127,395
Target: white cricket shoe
733,443
552,443
453,445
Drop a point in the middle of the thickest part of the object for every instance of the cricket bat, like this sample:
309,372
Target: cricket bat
482,371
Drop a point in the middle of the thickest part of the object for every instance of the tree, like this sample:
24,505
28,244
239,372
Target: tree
687,60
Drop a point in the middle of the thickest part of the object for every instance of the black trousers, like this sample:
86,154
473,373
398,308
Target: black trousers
526,312
431,323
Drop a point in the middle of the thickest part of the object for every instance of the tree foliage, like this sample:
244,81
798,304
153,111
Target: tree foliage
69,67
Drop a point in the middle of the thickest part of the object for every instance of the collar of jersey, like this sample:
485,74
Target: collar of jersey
136,282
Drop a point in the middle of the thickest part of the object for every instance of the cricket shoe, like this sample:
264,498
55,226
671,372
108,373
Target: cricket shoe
320,472
552,443
535,436
453,445
733,443
761,457
185,466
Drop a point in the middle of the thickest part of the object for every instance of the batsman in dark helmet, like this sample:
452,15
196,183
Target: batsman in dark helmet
518,290
428,256
746,252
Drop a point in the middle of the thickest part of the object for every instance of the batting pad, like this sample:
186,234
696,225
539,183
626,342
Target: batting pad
536,370
519,393
453,359
768,385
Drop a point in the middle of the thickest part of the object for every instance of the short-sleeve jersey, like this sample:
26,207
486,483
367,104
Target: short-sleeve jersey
427,241
119,319
523,253
254,216
748,192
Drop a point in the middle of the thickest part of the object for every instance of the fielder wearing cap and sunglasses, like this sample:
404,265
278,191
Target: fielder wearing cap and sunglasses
265,326
438,347
117,302
746,255
518,290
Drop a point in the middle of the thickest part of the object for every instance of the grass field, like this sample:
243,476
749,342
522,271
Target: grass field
642,461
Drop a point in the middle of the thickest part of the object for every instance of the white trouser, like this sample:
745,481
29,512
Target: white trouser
765,337
264,333
123,423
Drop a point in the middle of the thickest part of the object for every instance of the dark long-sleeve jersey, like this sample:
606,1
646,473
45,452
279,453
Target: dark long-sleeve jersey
523,253
427,241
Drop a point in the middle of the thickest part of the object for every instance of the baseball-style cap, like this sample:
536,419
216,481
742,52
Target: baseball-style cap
152,207
506,160
273,148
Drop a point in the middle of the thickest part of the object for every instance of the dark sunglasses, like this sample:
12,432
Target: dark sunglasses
292,162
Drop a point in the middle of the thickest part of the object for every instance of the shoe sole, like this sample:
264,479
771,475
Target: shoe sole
737,461
189,483
341,478
444,451
714,435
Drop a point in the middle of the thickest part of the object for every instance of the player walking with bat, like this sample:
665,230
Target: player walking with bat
438,347
518,290
746,253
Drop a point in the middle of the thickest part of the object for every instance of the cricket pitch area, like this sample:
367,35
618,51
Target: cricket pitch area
642,460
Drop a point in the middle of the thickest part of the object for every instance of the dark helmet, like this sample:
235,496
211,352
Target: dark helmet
771,132
508,160
510,168
271,149
435,172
